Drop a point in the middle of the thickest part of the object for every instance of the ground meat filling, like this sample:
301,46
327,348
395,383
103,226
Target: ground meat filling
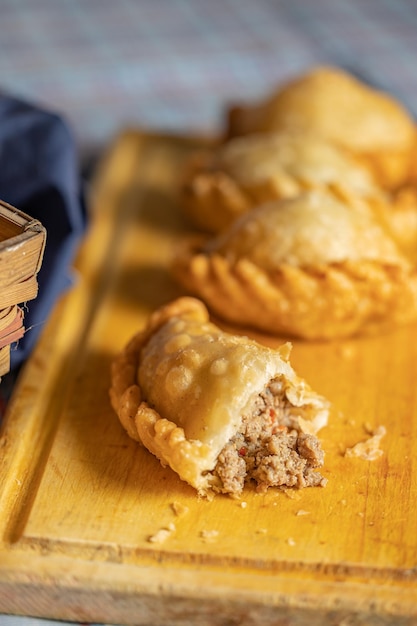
270,448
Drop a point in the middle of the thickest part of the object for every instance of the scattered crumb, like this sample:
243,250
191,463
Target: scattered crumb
261,531
293,495
291,541
361,514
342,502
209,535
243,505
302,512
179,509
162,534
368,450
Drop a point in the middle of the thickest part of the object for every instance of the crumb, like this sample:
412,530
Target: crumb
293,495
243,505
291,541
209,535
342,502
179,509
162,534
261,531
302,512
361,514
368,450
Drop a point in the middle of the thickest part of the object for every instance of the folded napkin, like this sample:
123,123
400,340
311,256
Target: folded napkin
39,175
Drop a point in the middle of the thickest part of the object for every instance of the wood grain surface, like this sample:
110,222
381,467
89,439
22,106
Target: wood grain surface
82,506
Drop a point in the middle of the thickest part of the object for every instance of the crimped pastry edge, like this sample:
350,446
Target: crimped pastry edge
297,301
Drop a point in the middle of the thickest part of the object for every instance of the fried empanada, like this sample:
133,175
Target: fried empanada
219,409
318,266
401,218
248,171
340,108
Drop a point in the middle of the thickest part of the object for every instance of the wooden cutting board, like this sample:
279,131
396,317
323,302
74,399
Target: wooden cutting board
82,505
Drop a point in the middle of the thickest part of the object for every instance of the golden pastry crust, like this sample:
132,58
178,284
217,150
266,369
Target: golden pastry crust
314,267
249,171
401,218
340,108
192,384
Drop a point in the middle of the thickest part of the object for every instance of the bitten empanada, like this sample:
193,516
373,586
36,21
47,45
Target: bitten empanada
318,266
221,410
248,171
342,109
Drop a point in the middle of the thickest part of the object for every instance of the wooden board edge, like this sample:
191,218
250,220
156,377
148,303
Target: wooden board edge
65,588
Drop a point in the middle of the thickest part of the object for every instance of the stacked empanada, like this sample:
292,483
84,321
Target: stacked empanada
314,197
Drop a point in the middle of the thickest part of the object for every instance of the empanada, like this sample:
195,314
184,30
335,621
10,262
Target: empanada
317,266
340,108
401,217
219,409
248,171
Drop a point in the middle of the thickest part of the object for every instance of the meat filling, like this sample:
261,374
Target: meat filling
270,448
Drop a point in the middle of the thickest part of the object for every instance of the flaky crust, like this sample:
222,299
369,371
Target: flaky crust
312,267
342,109
249,171
181,386
401,218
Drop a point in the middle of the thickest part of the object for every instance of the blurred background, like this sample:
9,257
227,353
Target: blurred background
174,64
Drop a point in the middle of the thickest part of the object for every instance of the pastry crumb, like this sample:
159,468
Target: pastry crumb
291,494
291,542
179,509
209,535
301,512
369,449
162,534
261,531
243,505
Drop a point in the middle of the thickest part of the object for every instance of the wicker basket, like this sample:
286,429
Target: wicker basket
22,243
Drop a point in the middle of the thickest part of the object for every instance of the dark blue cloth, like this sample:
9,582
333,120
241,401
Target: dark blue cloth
39,175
